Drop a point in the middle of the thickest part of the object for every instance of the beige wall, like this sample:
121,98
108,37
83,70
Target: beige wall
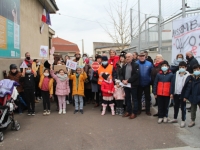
31,39
30,22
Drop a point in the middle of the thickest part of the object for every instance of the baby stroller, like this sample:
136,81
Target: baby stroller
8,94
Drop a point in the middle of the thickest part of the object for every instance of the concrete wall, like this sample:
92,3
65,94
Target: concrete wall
31,39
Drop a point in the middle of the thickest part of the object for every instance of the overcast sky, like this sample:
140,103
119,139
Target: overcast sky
73,26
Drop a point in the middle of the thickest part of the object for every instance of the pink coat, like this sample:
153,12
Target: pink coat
119,93
62,87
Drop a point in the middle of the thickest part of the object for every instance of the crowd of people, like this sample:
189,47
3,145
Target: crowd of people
121,82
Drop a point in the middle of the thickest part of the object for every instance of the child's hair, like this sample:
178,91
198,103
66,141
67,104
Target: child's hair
182,63
196,66
165,63
34,60
61,70
117,81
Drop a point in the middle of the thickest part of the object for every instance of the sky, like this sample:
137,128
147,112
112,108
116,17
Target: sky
83,19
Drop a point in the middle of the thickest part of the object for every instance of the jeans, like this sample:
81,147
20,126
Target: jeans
193,111
78,98
177,102
146,91
61,101
163,106
30,99
46,99
131,92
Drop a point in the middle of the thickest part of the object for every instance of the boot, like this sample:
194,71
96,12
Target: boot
112,109
117,111
104,109
121,112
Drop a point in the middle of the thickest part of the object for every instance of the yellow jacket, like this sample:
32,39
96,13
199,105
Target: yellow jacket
42,79
80,89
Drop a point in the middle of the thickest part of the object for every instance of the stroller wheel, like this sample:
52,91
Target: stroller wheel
1,136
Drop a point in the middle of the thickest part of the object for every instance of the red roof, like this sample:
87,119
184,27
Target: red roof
62,45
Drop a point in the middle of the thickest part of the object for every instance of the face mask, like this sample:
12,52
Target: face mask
28,71
179,59
105,63
46,74
196,73
187,57
77,75
164,68
181,70
38,63
28,58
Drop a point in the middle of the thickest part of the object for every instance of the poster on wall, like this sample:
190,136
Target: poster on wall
44,51
9,28
186,36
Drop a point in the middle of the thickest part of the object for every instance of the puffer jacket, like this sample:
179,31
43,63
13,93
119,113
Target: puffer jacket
145,72
193,89
105,87
119,93
162,84
62,87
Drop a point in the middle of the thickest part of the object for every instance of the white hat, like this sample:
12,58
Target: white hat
117,81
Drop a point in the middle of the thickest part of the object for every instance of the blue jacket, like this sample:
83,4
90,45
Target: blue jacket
174,83
145,72
193,89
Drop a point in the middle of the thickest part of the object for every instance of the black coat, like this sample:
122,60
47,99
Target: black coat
28,82
134,80
150,59
190,63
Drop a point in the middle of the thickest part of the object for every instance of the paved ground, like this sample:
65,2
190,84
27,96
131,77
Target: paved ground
91,131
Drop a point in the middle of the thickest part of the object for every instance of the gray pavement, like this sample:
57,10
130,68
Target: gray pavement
91,131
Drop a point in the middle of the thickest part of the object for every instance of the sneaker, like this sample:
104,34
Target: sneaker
75,111
38,98
33,114
64,111
67,102
192,123
48,112
165,120
29,113
173,121
60,111
182,124
117,111
45,113
121,112
81,111
160,120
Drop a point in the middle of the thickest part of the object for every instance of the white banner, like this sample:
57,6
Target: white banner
186,36
71,64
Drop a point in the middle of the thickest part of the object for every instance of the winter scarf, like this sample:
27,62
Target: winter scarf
62,78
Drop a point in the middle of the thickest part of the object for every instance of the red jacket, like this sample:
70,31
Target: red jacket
105,87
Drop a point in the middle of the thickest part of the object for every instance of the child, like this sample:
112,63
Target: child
107,88
28,79
161,91
46,86
62,88
178,89
119,95
78,79
193,93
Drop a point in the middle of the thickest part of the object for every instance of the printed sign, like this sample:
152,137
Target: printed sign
71,64
95,66
23,65
10,28
43,51
186,36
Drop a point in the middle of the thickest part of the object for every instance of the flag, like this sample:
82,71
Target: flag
48,19
44,16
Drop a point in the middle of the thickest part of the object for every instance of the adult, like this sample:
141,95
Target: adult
94,81
105,67
135,56
191,61
77,57
145,68
37,80
120,64
175,65
130,75
155,70
148,57
113,58
28,59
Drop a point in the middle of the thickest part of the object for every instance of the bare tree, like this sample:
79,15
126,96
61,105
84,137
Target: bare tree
119,15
